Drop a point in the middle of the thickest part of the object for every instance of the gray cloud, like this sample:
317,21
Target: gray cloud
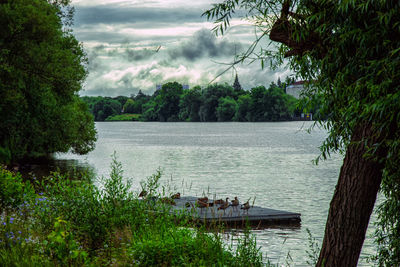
123,52
205,44
108,14
138,55
202,45
101,35
107,37
187,61
121,41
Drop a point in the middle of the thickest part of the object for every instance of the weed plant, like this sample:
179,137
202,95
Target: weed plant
314,249
61,221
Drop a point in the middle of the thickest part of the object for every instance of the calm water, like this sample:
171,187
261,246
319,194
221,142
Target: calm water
271,162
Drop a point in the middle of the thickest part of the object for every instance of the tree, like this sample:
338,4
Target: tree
140,95
190,104
121,99
111,107
104,107
210,97
129,106
42,67
140,100
226,108
259,103
277,104
151,110
169,97
243,108
350,52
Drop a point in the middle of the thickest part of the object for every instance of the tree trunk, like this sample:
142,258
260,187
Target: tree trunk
352,204
360,177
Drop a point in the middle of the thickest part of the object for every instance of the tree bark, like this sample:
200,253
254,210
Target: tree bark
360,177
282,32
352,204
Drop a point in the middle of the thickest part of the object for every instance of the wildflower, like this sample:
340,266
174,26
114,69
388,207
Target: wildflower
41,194
9,235
11,220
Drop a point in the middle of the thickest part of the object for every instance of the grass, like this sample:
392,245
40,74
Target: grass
67,222
125,117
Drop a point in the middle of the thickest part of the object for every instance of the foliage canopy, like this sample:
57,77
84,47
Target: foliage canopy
350,50
216,102
42,67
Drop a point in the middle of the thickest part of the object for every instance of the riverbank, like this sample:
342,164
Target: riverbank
62,221
125,117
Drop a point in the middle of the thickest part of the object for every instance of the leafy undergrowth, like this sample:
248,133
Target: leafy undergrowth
68,222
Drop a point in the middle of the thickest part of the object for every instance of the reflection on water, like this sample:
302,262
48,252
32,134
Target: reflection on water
271,162
73,168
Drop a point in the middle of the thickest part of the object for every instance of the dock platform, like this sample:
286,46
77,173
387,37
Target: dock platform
234,216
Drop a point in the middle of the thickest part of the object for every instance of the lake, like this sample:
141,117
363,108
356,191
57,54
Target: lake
271,162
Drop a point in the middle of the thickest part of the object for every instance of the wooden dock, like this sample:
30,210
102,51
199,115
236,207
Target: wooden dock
234,216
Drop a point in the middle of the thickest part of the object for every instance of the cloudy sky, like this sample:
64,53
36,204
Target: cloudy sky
136,44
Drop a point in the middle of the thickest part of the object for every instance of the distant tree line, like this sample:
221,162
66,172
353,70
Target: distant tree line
216,102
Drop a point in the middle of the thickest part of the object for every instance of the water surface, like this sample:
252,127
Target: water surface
271,162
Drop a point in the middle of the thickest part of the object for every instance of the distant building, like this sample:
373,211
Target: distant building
295,89
236,84
158,86
185,87
306,117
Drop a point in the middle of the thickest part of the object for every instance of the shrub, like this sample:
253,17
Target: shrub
62,247
78,202
74,222
13,191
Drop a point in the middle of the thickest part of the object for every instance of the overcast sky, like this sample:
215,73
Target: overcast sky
136,44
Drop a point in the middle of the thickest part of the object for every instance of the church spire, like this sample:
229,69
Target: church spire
236,84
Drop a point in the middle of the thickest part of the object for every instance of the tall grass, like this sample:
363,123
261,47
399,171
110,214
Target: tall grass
69,222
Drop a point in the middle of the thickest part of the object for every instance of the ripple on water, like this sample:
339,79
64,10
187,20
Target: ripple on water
271,162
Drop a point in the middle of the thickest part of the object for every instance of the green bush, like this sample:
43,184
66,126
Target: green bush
62,247
78,202
13,191
106,225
